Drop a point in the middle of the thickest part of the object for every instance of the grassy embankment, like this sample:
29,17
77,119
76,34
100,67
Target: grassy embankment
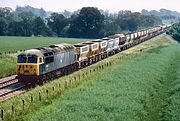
13,44
136,87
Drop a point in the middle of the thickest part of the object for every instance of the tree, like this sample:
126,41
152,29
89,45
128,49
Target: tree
7,15
15,29
26,20
3,26
40,28
88,23
175,31
57,22
110,25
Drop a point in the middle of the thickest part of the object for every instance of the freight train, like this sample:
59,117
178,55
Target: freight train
37,65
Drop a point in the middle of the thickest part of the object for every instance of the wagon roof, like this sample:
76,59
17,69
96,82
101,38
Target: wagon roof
117,35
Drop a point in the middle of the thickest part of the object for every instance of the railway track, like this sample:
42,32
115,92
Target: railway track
8,81
10,87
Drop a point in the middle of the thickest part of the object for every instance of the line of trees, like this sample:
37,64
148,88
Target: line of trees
88,23
175,31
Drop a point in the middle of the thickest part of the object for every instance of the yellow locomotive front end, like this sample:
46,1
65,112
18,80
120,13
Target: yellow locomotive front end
27,66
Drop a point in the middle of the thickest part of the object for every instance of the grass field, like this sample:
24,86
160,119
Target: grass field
8,65
8,43
144,88
142,85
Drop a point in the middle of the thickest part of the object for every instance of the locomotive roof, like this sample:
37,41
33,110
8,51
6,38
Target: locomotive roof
31,52
48,50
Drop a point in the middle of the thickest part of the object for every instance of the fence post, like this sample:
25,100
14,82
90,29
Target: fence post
12,109
83,75
31,99
23,104
39,96
47,93
2,114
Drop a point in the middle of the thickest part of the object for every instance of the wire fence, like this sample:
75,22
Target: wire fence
11,52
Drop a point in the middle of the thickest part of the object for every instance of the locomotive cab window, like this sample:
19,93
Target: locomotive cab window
21,59
32,59
49,59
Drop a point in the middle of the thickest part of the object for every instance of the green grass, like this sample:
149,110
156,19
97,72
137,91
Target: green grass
137,87
8,43
8,65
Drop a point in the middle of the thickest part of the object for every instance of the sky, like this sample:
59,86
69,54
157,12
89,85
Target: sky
111,5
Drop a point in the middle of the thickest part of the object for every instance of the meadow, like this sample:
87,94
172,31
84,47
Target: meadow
141,84
8,43
15,44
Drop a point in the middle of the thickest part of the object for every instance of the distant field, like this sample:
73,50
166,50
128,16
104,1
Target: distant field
8,43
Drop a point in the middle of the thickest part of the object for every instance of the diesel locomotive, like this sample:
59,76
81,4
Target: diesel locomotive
44,63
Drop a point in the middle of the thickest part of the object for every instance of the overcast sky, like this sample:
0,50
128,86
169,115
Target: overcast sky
112,5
